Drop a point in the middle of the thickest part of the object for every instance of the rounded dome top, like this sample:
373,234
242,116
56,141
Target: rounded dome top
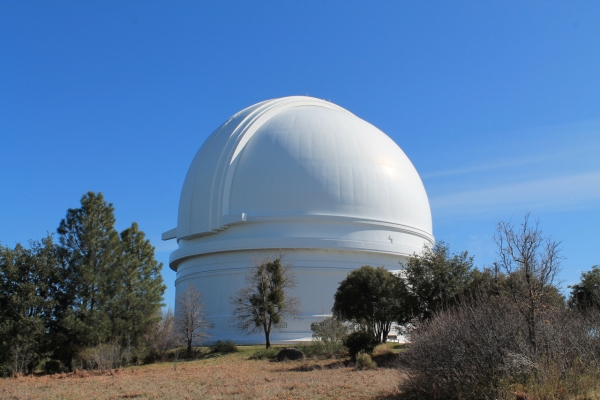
300,157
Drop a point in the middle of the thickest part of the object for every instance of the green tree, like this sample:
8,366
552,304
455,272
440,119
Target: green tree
138,289
330,334
92,248
374,298
586,294
436,278
329,330
28,289
263,304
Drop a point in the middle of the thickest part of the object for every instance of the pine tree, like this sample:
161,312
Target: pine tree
91,246
28,290
138,288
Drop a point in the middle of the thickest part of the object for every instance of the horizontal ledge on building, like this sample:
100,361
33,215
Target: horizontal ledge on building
245,218
261,244
244,271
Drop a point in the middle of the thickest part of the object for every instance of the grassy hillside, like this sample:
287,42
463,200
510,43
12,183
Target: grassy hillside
214,376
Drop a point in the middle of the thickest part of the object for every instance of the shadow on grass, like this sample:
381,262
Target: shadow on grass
386,360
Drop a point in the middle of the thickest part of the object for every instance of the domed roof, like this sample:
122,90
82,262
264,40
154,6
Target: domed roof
299,157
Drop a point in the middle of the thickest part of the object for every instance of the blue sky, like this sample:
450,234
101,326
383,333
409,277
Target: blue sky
497,104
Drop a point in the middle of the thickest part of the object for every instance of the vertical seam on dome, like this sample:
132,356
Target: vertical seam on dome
198,171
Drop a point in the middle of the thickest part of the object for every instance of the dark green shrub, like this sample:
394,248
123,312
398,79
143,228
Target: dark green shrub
317,348
360,341
265,354
224,346
54,367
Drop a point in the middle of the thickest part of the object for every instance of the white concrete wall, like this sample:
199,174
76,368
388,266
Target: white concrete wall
220,275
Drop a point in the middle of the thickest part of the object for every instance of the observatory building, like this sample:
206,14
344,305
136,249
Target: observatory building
304,177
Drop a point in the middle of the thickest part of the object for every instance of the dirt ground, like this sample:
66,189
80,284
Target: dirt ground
231,376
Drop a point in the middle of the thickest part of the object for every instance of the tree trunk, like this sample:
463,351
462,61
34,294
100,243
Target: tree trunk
268,337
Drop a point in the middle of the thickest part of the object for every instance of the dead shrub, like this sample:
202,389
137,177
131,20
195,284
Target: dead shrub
481,349
103,357
162,336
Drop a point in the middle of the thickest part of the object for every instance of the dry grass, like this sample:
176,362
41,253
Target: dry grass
231,376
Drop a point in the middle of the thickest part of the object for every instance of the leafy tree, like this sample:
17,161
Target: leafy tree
586,294
374,298
436,278
263,304
28,284
330,333
532,263
138,288
190,317
329,330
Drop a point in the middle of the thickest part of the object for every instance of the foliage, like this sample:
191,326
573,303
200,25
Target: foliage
263,303
364,361
319,349
190,317
113,285
93,287
138,289
585,295
360,341
162,335
382,350
525,337
91,249
224,347
443,362
436,278
29,282
330,333
374,298
268,353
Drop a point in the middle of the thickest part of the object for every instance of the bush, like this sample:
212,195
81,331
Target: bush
103,357
328,338
360,341
383,350
481,350
54,367
318,348
161,337
265,354
224,346
364,361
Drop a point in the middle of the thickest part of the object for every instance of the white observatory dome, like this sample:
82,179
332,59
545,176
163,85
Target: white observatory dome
305,177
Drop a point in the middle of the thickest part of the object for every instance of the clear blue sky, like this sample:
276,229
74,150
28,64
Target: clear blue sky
497,104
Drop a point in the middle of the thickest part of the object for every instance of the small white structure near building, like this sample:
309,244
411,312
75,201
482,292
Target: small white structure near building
302,176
